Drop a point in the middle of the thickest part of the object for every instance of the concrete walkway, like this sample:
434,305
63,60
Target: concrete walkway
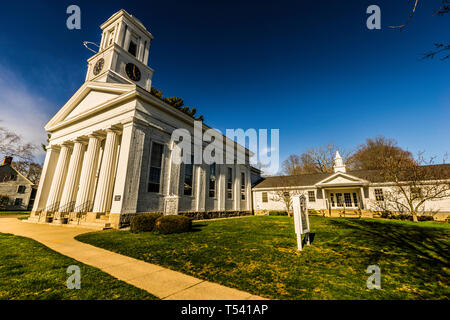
161,282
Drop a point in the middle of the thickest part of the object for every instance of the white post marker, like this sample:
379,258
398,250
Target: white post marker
301,219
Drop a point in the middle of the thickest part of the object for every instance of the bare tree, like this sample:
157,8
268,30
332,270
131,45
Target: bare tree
284,193
413,183
440,48
314,160
12,145
31,170
292,165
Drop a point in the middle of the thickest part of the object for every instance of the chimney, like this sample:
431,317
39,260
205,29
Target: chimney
7,161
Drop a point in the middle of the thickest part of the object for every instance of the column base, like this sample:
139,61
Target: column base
114,220
91,216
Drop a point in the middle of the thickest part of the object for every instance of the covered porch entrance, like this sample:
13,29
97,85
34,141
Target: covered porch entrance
341,199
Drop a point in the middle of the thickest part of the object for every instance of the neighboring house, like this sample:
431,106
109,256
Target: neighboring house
16,191
109,155
336,193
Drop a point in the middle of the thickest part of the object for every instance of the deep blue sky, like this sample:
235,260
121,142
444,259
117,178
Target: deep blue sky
310,68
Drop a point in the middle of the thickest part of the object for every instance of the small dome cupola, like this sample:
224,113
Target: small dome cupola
339,165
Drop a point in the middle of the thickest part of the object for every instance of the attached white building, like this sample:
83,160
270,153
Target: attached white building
109,155
335,193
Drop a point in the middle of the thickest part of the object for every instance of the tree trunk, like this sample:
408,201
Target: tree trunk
414,214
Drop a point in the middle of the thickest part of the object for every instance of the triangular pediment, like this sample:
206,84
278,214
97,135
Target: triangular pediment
90,97
341,179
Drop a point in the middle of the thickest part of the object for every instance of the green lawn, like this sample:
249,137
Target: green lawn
258,255
29,270
14,212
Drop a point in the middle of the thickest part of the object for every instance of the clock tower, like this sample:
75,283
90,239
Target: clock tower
123,52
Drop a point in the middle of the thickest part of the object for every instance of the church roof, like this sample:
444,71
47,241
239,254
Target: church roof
305,180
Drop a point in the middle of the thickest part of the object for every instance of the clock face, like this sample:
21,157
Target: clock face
99,66
133,72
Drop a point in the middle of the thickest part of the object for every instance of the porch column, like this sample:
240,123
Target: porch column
363,205
73,177
58,178
48,170
87,175
103,197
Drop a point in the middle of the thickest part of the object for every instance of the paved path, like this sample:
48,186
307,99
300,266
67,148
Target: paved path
159,281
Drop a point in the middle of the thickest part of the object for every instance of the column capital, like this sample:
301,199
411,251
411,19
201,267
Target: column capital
116,129
52,147
96,134
133,121
67,144
83,140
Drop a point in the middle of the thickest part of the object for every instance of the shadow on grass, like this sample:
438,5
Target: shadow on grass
421,242
196,227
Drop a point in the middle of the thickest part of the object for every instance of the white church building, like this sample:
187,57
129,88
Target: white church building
109,155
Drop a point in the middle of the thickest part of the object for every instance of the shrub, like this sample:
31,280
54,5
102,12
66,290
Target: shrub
425,218
386,215
144,222
278,213
313,212
173,224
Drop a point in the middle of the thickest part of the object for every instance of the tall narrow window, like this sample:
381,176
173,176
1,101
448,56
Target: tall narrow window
347,199
132,47
265,198
111,37
212,180
332,199
379,195
154,180
229,183
339,200
188,174
243,186
355,199
311,196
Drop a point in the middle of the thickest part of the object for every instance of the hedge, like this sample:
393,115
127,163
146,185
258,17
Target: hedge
173,224
144,222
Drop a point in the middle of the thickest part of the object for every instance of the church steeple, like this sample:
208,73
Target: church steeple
123,52
339,165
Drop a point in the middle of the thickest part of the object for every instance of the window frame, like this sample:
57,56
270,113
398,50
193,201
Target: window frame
229,183
265,197
160,168
191,165
348,199
379,195
134,37
243,186
214,190
21,189
313,197
355,199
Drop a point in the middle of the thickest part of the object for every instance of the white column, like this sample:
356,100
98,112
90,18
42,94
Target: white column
45,182
87,176
103,196
362,205
73,176
59,176
126,187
